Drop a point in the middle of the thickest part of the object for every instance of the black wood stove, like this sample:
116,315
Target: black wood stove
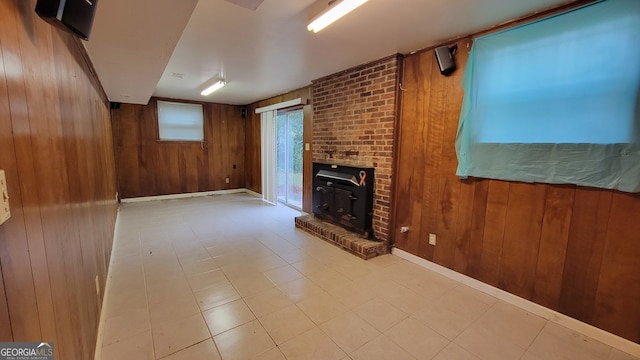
343,195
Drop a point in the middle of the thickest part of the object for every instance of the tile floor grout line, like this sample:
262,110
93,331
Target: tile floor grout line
146,294
547,322
198,304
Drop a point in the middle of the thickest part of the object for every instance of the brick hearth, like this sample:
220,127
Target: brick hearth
338,236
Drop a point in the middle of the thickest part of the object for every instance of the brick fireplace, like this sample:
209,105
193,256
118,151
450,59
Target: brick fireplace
354,114
354,117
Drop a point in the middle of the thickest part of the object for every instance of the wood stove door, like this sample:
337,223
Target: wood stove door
343,202
326,205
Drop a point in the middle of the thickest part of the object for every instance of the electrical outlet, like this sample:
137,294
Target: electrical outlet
5,212
227,180
432,239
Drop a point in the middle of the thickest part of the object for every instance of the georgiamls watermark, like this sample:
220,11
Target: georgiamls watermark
26,351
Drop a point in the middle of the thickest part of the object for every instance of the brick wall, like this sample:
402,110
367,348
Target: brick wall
354,114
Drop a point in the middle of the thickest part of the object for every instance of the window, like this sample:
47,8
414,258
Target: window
180,121
556,101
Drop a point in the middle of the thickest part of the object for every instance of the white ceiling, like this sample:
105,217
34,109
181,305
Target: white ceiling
170,48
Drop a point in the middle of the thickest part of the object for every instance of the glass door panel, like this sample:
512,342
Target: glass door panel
290,150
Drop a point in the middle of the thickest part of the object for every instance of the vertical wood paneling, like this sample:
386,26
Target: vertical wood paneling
572,249
56,148
553,245
62,234
253,178
521,241
493,234
464,225
589,222
131,164
14,253
7,159
446,225
617,305
216,145
6,334
433,150
237,147
473,255
409,197
148,167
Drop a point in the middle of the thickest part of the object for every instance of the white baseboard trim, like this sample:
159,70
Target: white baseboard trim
598,334
189,195
251,192
97,355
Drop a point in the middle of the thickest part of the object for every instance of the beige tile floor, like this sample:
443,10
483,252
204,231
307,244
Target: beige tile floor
226,277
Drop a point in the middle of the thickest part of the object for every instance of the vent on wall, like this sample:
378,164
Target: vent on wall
247,4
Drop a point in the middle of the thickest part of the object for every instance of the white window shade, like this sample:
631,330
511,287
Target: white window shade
180,121
269,157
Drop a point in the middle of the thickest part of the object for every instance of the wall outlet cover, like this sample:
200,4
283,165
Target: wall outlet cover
432,239
5,211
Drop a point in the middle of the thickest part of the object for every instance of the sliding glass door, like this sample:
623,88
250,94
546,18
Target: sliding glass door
289,125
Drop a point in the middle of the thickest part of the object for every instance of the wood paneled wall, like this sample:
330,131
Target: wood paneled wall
572,249
56,149
149,167
253,153
5,322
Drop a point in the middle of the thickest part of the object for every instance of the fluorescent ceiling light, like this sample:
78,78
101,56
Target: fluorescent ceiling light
334,10
217,84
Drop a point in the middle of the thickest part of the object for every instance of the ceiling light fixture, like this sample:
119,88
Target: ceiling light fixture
212,86
331,11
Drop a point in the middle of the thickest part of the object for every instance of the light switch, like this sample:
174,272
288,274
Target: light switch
5,214
307,147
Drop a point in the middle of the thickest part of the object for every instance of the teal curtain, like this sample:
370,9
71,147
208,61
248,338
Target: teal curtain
556,101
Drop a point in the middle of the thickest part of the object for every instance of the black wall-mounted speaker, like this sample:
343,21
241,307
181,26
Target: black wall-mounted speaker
243,112
444,56
114,105
74,16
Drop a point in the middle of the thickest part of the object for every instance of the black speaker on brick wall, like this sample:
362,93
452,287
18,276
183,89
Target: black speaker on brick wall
243,112
74,16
